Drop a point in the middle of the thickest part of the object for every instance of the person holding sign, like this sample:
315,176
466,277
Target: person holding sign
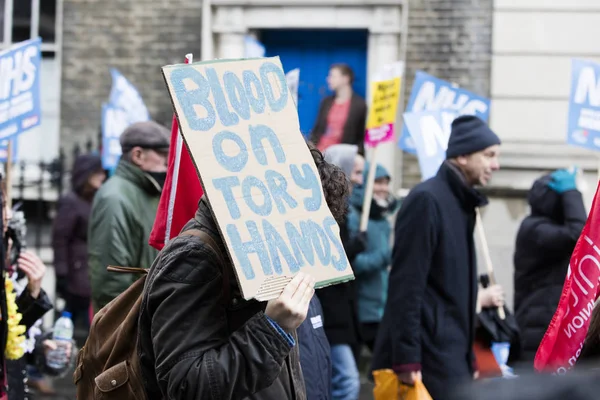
427,331
199,338
342,116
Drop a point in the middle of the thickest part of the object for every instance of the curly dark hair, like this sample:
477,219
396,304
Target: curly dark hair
336,187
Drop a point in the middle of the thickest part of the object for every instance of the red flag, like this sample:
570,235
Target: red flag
563,341
181,192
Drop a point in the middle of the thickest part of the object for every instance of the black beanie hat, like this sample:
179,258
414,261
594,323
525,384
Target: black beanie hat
469,135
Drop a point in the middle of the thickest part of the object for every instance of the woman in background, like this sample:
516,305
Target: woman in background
69,237
544,245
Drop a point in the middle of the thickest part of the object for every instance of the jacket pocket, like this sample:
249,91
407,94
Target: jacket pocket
119,382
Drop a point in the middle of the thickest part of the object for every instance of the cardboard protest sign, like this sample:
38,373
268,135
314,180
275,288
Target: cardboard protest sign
430,131
584,105
384,105
240,124
431,94
20,88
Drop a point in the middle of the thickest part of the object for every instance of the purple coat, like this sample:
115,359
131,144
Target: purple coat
69,236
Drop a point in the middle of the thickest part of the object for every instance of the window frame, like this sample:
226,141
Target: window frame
47,47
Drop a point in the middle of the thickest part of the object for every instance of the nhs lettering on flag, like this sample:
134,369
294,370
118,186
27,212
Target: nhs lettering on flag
430,131
584,105
125,107
20,88
432,94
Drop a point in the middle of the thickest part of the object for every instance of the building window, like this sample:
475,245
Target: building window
26,19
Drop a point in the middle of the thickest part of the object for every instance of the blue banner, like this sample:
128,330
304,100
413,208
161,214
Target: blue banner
430,131
432,94
20,88
584,105
4,150
125,107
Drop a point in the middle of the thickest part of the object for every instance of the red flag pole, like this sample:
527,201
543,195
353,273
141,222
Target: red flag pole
179,146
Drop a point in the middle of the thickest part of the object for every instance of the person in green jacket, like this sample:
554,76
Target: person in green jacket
124,210
371,266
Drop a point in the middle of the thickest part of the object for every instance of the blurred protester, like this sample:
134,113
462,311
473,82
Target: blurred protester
339,301
427,332
371,265
124,209
342,116
544,244
24,306
69,237
315,353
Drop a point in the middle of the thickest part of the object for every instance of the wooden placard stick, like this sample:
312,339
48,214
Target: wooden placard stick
9,163
486,256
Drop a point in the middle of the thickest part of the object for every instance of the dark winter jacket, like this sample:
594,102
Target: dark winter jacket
371,266
340,309
70,230
354,129
315,354
543,249
195,344
339,301
429,318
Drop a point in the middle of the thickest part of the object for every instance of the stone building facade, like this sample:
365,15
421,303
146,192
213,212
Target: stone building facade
516,52
452,40
136,37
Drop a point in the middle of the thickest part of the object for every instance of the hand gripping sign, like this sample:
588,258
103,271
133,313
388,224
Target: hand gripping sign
240,124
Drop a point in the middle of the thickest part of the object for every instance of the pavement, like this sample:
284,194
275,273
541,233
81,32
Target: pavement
66,390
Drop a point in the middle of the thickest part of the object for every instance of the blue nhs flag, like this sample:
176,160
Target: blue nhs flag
433,94
20,88
430,131
125,107
584,105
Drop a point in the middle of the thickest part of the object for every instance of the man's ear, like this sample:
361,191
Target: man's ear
462,160
136,155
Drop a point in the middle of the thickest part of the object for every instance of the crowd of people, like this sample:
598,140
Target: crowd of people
417,304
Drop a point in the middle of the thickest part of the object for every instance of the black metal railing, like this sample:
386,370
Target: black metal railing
36,188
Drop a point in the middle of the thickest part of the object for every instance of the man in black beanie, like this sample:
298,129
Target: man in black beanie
428,325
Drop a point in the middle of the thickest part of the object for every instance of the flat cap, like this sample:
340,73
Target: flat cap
147,135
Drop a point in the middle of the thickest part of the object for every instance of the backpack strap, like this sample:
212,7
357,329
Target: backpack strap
127,270
210,242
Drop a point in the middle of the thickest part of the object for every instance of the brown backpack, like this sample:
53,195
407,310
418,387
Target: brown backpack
108,364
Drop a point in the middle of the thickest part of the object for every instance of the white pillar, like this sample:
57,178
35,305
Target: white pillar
230,45
230,28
